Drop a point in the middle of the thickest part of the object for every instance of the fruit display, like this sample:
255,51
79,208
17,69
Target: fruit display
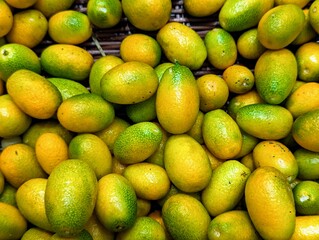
159,119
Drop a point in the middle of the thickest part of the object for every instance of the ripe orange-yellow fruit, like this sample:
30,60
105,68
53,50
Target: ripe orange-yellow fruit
6,18
304,130
30,202
12,224
34,94
277,155
240,79
129,83
213,92
177,100
279,26
141,47
14,122
226,187
234,224
307,61
86,112
20,4
147,15
270,203
306,228
18,164
50,7
66,61
186,163
29,28
94,151
221,134
202,8
303,99
149,180
70,27
248,45
50,150
182,44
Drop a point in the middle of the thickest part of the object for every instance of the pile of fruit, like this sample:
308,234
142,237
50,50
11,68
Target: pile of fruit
182,133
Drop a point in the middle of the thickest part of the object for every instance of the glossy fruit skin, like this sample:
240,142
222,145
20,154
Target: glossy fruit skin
307,61
6,18
66,61
273,80
307,33
50,150
240,79
226,187
14,122
303,99
70,196
213,92
177,100
93,150
275,31
143,228
104,14
50,7
147,15
276,154
18,163
19,4
306,228
240,15
149,180
185,217
67,87
70,27
308,164
30,202
265,121
203,8
110,133
238,101
29,28
249,46
313,16
181,44
221,134
36,233
129,83
306,195
36,129
79,113
120,215
186,163
33,94
142,48
234,224
13,224
221,48
305,130
270,203
137,142
14,56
